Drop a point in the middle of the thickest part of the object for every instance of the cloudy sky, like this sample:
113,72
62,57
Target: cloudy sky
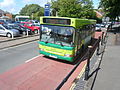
14,6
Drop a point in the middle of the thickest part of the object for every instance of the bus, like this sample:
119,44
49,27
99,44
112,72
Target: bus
22,18
65,38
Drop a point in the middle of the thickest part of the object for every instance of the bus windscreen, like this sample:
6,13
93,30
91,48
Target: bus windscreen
57,21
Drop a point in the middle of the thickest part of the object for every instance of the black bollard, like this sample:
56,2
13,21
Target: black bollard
102,39
88,63
98,46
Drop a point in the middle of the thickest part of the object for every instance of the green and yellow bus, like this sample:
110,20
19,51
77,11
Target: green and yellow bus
65,38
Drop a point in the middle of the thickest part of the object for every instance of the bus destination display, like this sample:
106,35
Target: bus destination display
56,21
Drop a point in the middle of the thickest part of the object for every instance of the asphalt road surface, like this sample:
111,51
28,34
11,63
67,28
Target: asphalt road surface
15,56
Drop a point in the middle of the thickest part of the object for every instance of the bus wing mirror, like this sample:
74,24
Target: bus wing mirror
72,44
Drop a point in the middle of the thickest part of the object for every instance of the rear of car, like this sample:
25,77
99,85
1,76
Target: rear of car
114,27
31,26
99,27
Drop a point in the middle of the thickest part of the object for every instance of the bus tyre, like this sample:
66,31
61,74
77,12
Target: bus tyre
91,40
83,48
9,35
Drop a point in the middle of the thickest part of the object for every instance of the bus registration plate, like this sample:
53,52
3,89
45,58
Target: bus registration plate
52,56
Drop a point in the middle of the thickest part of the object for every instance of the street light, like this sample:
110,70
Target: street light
32,15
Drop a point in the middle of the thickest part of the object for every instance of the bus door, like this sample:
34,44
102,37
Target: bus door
77,41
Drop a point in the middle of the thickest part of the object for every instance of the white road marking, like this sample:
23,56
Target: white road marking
33,58
78,77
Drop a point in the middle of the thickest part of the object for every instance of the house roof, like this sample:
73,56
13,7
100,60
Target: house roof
99,14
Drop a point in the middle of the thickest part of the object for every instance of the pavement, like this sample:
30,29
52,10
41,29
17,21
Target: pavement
6,42
106,71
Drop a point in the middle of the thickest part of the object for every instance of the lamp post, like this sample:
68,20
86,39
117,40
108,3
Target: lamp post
32,15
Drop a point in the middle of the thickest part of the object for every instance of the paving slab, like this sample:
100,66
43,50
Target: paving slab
16,42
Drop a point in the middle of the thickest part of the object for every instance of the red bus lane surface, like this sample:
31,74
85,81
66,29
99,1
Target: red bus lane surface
41,73
38,74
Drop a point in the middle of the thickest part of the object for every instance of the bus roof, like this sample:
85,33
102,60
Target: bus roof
75,22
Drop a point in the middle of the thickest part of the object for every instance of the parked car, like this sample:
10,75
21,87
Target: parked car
8,31
114,27
99,27
31,26
23,30
2,21
35,22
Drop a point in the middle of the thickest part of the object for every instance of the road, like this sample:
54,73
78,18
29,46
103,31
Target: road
15,56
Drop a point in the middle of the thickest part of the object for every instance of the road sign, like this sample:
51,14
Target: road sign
105,19
47,10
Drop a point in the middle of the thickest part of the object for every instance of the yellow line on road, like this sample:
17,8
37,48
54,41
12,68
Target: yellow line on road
78,77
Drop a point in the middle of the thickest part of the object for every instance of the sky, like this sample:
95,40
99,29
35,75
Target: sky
14,6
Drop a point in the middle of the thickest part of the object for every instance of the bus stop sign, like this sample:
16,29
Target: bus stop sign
47,10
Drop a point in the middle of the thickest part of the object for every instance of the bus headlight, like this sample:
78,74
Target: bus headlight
41,49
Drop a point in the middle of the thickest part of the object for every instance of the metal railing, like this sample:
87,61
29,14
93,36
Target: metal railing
88,54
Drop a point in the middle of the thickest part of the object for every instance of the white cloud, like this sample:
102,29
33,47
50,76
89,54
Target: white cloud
40,2
7,3
14,6
27,0
12,9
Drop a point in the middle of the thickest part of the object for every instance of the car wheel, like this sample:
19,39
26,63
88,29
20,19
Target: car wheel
9,35
24,33
35,31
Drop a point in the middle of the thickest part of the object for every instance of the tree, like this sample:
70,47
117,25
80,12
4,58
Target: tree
73,8
111,8
32,9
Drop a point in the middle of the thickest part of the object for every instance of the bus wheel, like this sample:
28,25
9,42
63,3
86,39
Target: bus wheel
91,41
83,48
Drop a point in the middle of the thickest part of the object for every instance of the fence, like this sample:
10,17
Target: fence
88,54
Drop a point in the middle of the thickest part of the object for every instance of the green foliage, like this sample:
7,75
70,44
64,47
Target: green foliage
111,7
34,9
73,8
14,15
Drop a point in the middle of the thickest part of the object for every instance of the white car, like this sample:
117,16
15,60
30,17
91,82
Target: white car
35,22
6,30
99,27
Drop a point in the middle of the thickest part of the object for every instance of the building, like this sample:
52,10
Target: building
98,14
5,15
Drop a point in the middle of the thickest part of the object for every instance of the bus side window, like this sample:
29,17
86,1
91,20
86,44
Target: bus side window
89,30
84,31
